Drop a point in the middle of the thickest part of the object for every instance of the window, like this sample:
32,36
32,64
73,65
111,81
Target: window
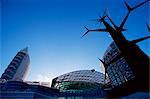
113,78
115,82
116,75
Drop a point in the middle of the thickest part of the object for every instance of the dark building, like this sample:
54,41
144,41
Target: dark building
125,63
124,80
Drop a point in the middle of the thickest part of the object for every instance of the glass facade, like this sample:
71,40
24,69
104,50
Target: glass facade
85,94
81,84
82,75
117,67
111,53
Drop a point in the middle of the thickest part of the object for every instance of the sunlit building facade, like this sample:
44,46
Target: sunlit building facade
116,66
19,67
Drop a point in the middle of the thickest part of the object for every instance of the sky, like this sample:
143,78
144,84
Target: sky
52,30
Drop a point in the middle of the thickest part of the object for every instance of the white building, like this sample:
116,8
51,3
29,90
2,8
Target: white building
19,67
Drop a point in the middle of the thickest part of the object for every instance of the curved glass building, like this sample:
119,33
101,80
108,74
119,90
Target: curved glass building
82,83
19,66
116,66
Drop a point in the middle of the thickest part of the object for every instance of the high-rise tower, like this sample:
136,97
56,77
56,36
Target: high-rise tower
18,67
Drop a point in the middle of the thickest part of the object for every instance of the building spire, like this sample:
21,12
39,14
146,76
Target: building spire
25,50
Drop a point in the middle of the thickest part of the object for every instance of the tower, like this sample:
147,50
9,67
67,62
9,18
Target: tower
18,67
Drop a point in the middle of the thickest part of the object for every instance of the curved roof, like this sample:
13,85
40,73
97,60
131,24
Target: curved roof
91,76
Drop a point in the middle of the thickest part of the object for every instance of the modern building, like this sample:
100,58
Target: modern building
122,75
125,63
22,90
117,68
18,68
82,83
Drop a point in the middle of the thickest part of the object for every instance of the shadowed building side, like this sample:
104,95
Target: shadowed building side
127,76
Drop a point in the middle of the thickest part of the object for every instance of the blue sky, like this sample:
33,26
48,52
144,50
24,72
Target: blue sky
52,29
